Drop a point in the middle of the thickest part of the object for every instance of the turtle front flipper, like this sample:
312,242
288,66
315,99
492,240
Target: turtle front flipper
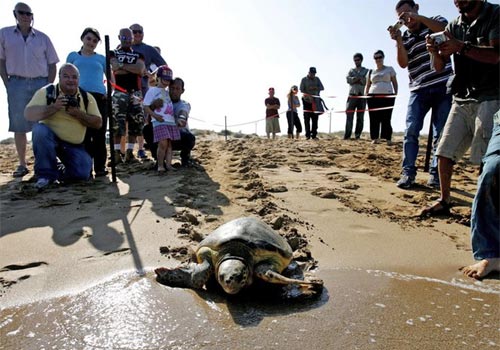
190,276
266,273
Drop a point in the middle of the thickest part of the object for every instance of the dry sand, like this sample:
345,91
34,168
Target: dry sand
81,256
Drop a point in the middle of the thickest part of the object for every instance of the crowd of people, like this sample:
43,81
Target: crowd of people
71,116
69,123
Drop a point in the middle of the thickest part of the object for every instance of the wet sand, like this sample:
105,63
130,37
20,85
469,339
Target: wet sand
76,261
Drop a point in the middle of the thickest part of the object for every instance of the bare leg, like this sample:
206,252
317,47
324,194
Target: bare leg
21,141
481,268
441,207
161,154
445,168
168,158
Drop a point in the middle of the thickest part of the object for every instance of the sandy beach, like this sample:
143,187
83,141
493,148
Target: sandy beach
76,261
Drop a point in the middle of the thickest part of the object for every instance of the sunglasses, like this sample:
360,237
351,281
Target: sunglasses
124,38
378,57
24,13
137,31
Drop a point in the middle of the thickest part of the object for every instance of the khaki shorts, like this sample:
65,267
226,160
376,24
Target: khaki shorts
468,125
272,125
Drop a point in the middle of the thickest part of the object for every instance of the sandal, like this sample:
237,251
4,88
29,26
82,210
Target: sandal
439,208
20,171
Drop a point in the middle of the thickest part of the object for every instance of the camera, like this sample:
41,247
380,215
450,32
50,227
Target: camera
72,101
398,24
438,38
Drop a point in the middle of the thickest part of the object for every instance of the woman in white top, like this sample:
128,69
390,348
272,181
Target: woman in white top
291,115
381,83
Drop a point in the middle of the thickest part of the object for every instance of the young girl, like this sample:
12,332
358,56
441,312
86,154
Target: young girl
158,105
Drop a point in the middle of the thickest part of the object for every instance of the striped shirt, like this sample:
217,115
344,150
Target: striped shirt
420,71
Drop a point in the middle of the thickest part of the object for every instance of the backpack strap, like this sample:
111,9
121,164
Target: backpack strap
51,93
85,97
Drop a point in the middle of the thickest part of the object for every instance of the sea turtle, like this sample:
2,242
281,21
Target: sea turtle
237,252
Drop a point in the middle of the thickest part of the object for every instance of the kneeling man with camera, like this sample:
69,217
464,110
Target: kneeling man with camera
58,135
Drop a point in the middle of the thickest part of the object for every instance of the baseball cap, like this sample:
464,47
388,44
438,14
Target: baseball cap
312,70
164,72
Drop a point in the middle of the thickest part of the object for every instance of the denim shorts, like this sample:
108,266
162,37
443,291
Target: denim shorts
19,94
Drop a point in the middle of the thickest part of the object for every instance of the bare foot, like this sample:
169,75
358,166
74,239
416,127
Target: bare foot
481,268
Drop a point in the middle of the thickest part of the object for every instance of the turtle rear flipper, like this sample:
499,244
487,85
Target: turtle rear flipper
266,273
191,276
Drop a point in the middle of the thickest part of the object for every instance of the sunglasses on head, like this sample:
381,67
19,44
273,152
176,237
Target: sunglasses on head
137,31
24,13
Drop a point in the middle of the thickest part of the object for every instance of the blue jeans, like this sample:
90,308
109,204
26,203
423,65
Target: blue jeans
421,101
47,148
485,222
19,94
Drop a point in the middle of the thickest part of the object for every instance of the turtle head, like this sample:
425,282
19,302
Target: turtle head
233,275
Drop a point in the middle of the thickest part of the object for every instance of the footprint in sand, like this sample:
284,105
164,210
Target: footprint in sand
13,273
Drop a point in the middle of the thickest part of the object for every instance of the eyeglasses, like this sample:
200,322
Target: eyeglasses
137,31
123,38
378,57
24,13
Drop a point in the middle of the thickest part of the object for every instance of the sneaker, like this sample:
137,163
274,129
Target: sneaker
375,142
141,154
130,158
42,183
406,182
433,181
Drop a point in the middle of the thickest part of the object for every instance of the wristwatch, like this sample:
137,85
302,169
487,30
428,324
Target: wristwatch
466,48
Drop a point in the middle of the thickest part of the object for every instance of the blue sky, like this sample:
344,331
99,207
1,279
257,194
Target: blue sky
229,52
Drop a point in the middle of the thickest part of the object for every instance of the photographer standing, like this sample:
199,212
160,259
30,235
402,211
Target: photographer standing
427,87
474,41
59,129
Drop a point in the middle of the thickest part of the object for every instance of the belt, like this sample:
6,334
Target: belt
24,78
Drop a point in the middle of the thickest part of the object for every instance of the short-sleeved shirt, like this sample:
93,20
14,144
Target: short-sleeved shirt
28,58
151,56
167,111
381,80
420,72
476,81
130,81
182,110
92,69
65,126
270,112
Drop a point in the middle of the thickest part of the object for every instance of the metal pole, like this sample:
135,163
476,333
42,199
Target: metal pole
109,109
330,126
429,147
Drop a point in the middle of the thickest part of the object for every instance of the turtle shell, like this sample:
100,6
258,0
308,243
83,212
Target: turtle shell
262,240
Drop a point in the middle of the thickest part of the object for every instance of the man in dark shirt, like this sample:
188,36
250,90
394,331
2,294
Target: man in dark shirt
272,117
427,87
473,40
128,68
311,86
